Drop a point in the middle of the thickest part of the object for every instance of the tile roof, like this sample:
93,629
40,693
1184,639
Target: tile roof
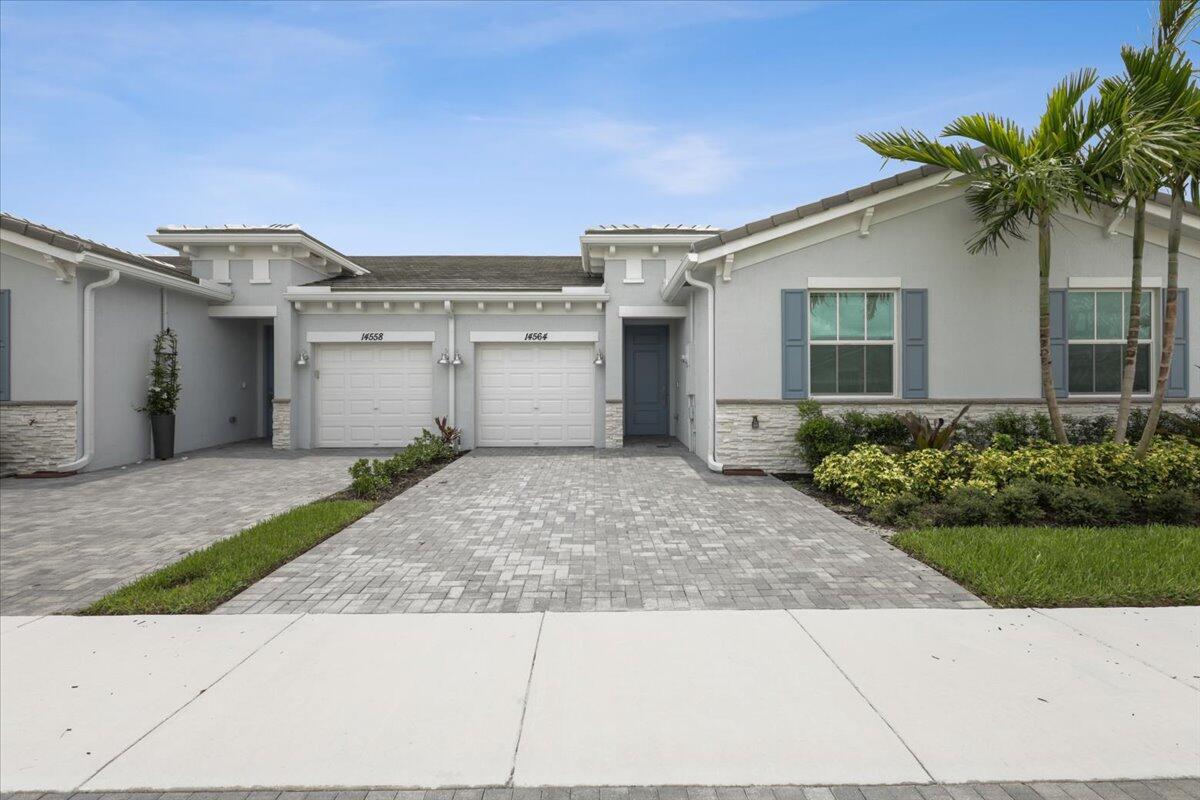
465,273
651,230
844,198
824,204
79,244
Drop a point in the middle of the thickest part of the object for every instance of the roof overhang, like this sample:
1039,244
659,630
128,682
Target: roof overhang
626,238
324,294
65,262
183,240
1157,214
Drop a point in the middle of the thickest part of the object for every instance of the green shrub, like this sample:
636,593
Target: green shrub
965,505
1019,503
370,479
905,510
1087,505
1174,507
820,436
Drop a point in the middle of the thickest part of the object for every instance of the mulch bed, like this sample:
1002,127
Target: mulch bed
406,482
840,505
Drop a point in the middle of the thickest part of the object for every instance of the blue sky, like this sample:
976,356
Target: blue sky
389,128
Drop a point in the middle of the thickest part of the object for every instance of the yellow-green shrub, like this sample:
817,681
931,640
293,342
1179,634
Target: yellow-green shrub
870,475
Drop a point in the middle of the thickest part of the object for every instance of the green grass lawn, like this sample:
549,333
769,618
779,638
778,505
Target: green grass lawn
203,580
1153,565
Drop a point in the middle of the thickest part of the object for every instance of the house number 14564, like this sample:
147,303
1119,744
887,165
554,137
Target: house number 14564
537,337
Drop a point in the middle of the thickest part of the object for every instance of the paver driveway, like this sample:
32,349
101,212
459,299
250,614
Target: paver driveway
67,541
580,530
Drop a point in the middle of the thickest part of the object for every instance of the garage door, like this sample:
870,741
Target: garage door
373,395
535,395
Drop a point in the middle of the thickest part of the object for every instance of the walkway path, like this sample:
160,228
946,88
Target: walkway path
1180,789
638,528
700,698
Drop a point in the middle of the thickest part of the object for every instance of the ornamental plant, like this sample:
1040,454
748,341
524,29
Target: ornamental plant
163,395
870,475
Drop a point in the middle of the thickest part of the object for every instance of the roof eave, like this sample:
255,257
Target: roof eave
178,239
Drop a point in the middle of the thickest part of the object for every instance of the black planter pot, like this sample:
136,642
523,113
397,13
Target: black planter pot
162,431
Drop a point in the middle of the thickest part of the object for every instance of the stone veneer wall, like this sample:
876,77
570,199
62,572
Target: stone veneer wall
36,435
614,423
772,446
281,424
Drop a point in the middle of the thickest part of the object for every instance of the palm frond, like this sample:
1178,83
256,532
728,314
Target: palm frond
1000,219
1062,104
1003,137
905,145
1176,20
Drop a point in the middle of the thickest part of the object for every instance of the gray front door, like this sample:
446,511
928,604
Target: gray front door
646,380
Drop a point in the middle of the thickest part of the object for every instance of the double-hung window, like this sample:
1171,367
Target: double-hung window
1097,323
852,343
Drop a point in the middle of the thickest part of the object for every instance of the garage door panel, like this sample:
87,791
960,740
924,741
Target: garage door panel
373,395
536,394
357,408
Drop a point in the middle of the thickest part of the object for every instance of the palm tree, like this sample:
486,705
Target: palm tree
1018,178
1176,17
1149,129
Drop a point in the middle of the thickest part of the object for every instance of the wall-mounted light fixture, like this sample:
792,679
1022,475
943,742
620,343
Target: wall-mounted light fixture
457,360
599,361
302,361
445,359
754,422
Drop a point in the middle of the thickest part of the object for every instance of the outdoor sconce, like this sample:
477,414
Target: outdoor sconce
445,359
599,362
754,422
302,361
457,362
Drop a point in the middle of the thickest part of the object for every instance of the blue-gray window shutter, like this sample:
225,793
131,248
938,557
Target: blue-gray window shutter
1058,340
1177,380
914,334
795,343
5,345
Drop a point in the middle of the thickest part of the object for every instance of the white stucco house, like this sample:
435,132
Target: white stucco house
864,299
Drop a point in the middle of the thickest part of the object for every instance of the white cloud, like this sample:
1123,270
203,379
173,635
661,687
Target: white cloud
498,27
688,164
675,163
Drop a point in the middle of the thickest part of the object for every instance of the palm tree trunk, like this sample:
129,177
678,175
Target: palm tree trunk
1060,433
1174,233
1135,321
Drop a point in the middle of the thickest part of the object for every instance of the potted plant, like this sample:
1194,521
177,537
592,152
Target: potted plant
163,394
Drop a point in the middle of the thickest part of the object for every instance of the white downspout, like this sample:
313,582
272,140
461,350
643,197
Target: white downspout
453,353
89,372
711,456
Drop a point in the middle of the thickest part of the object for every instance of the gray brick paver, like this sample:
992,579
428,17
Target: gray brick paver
505,531
68,541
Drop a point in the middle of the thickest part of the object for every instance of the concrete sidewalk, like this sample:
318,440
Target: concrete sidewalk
697,698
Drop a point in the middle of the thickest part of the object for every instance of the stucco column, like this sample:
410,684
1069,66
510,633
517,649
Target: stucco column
286,352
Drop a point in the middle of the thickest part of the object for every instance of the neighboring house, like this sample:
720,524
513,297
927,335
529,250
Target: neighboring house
867,299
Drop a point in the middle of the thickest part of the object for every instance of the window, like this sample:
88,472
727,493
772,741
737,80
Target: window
852,342
1096,328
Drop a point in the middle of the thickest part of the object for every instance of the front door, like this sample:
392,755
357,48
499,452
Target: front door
646,380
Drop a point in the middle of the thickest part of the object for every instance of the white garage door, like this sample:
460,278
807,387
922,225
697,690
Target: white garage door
535,395
373,395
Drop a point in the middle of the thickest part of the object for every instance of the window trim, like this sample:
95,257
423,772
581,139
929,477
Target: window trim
894,342
1153,341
